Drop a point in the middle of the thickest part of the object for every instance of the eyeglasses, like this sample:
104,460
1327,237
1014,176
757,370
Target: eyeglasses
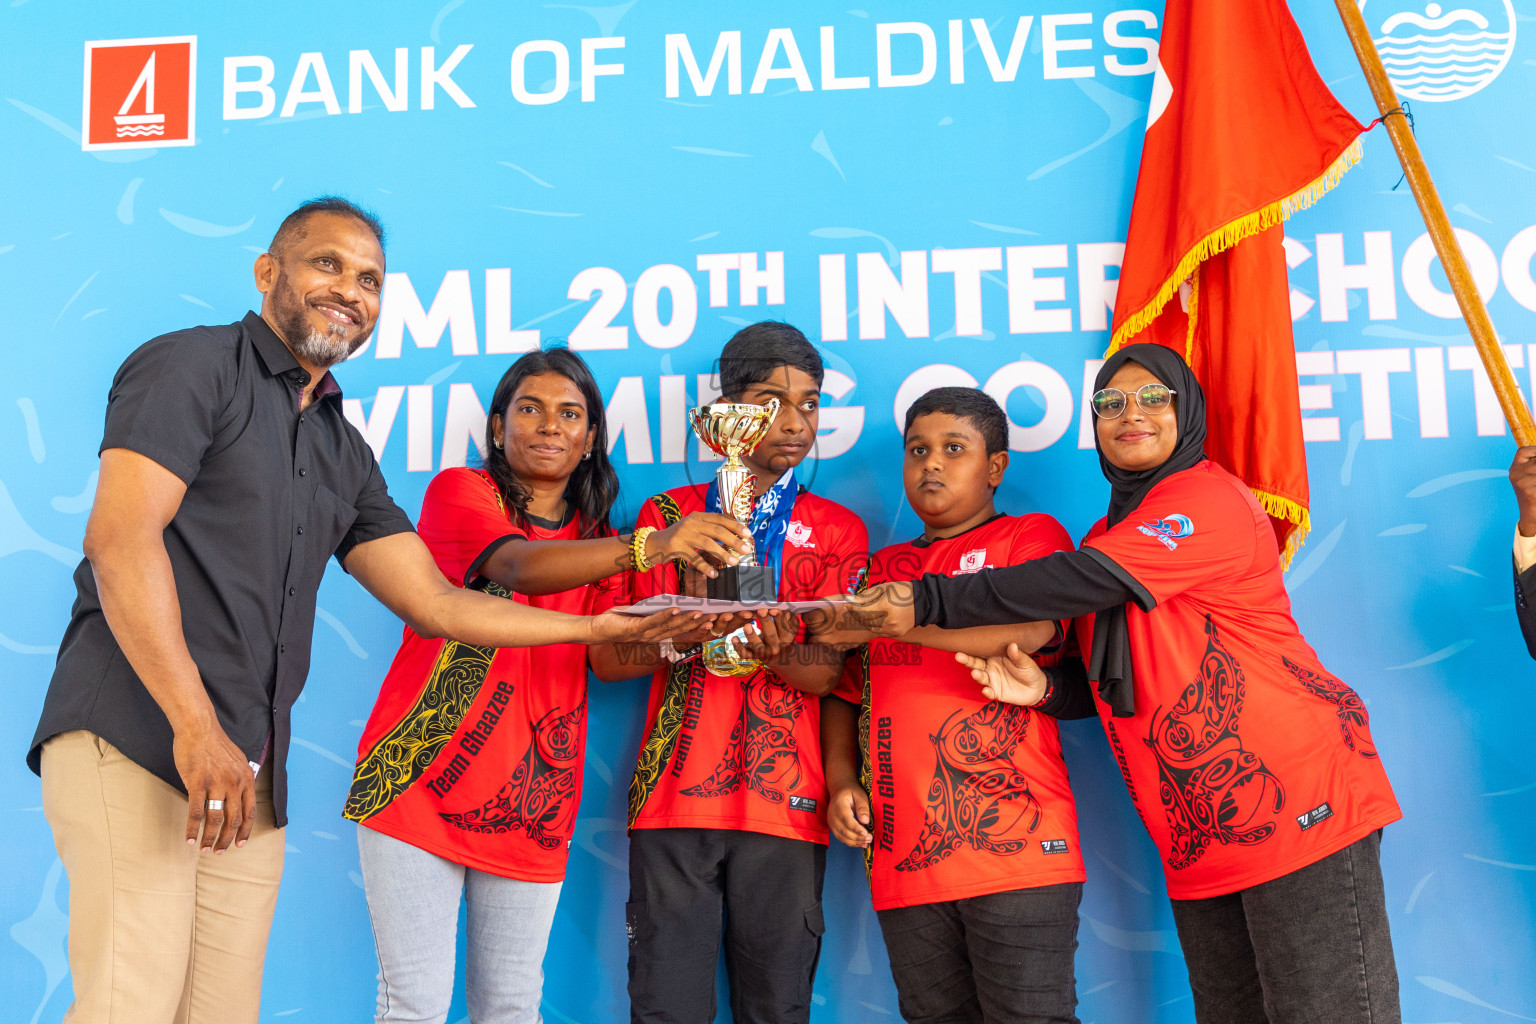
1110,404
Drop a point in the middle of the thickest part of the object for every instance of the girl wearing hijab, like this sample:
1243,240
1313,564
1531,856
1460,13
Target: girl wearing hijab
1251,765
469,769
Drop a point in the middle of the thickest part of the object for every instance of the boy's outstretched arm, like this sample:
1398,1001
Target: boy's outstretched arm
985,640
981,641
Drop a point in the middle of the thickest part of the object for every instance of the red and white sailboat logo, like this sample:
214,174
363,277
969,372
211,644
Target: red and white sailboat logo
149,122
139,93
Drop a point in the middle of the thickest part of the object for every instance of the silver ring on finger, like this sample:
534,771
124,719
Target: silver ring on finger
215,805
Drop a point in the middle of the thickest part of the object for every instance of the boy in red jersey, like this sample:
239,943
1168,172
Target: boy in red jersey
962,805
727,809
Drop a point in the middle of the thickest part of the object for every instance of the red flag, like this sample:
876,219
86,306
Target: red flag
1241,134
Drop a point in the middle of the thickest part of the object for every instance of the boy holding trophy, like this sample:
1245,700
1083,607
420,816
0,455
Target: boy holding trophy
727,808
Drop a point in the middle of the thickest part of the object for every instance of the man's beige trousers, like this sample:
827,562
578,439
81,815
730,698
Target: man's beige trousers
158,932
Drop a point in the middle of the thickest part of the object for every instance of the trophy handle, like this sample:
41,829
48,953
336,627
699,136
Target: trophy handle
737,502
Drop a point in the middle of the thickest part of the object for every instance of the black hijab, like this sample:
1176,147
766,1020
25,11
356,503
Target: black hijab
1109,664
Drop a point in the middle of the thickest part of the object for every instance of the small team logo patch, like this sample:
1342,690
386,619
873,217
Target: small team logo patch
1050,846
139,93
1168,531
802,803
799,534
1315,815
973,561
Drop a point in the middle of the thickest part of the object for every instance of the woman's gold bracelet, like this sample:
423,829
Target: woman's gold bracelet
637,548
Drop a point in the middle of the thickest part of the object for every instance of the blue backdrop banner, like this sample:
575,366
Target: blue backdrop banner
936,194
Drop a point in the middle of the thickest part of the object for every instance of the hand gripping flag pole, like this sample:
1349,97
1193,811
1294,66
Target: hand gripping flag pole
1433,211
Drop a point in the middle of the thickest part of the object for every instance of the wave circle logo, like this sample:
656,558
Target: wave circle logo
1437,53
1176,527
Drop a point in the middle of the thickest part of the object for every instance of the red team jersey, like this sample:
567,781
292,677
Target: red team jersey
1246,758
742,753
969,796
474,753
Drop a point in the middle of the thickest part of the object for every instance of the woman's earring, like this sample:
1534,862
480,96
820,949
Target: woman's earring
587,456
497,442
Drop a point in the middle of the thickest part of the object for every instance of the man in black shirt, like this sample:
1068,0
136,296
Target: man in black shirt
228,478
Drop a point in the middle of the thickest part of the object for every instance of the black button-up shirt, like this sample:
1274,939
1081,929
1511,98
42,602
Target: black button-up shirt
272,493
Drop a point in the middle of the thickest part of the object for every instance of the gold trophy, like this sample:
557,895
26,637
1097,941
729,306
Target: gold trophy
732,430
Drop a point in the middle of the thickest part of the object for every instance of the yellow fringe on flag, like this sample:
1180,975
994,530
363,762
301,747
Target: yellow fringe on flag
1223,238
1194,318
1289,511
1230,234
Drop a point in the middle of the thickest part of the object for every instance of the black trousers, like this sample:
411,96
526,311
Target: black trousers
690,886
1311,946
1003,957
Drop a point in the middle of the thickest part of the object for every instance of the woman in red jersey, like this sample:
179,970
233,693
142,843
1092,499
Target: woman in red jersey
1251,765
469,769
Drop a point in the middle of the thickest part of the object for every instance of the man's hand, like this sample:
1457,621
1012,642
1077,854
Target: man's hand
703,540
1522,475
214,769
884,610
848,815
1012,677
614,626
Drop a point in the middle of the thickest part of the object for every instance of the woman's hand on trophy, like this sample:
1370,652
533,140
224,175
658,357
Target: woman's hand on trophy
702,540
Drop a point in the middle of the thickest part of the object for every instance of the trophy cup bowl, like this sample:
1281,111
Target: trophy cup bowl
732,430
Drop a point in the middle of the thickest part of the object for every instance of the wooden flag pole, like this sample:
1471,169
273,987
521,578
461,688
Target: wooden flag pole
1439,225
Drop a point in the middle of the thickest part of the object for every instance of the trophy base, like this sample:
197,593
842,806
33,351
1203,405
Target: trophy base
750,584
